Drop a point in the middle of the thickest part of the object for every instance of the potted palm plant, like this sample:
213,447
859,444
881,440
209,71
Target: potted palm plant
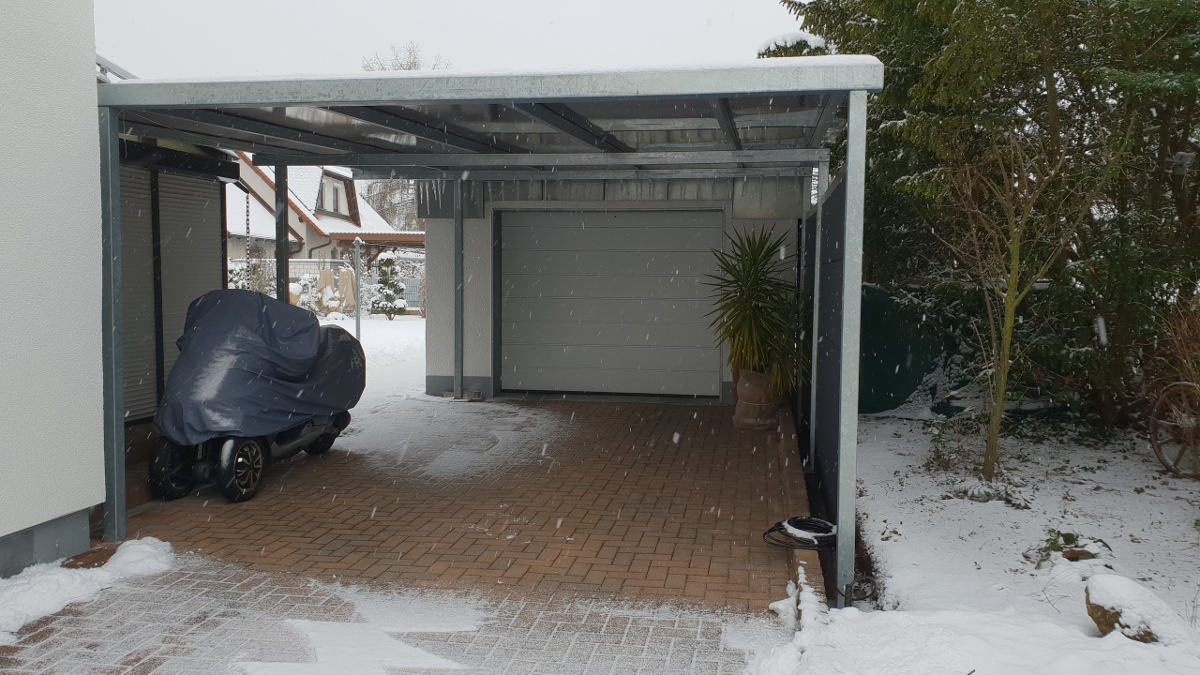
757,314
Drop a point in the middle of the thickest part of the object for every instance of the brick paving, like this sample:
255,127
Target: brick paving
607,503
209,617
601,541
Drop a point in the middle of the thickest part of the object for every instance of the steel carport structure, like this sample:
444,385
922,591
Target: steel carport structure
765,118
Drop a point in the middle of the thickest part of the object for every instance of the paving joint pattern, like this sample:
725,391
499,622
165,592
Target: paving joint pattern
208,617
607,538
611,504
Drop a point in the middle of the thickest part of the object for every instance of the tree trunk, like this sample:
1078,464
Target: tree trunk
1003,359
992,455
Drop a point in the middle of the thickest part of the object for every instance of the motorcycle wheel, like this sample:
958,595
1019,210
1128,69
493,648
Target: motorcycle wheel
171,470
322,445
240,467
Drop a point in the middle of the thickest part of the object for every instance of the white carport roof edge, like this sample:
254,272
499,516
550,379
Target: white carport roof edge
810,74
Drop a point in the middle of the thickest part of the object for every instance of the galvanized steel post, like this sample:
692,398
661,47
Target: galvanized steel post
358,242
282,254
822,187
112,328
458,288
852,246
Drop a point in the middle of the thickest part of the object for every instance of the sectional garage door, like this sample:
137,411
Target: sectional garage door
608,302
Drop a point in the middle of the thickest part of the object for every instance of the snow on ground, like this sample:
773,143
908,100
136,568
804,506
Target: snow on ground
415,611
42,590
976,586
394,409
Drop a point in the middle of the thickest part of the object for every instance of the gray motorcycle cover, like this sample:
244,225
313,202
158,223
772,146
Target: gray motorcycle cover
250,365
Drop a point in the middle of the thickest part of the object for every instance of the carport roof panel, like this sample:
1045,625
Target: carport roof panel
812,74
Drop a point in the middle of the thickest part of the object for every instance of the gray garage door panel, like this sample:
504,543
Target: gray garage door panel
609,357
609,333
610,302
682,263
597,237
653,382
623,287
604,310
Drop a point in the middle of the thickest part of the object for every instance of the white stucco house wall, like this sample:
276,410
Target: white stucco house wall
52,457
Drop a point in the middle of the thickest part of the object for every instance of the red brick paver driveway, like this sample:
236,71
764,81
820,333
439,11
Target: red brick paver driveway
608,500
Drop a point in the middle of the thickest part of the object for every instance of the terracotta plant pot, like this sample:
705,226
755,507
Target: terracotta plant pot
757,406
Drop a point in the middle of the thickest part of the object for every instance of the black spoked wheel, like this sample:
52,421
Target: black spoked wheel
171,469
240,468
322,445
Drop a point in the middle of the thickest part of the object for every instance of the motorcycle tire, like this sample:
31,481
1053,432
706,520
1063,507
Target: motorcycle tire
171,470
322,445
241,464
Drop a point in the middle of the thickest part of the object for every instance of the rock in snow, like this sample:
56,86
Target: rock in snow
1121,604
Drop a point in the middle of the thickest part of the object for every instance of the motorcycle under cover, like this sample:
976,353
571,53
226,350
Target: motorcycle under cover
250,365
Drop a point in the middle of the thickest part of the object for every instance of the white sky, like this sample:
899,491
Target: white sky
212,38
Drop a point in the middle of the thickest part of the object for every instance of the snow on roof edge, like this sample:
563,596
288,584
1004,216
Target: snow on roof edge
844,60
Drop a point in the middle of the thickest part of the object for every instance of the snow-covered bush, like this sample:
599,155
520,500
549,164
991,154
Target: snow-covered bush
256,274
390,301
370,295
308,294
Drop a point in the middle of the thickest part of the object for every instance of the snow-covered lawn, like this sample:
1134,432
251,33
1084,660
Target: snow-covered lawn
975,586
395,353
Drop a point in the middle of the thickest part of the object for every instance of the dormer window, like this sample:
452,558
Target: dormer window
336,199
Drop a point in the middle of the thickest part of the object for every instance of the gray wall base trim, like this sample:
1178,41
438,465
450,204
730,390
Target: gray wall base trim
437,385
728,396
46,542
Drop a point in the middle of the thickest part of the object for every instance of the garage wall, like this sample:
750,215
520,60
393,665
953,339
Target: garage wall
751,204
52,461
477,301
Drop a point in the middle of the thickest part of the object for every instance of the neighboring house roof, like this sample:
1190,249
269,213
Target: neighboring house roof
240,205
304,187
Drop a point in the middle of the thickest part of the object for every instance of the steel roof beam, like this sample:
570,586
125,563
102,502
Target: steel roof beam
561,118
793,157
150,131
799,118
222,136
426,127
828,115
724,117
582,174
270,131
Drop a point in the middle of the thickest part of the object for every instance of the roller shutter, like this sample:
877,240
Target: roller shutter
609,302
137,291
190,226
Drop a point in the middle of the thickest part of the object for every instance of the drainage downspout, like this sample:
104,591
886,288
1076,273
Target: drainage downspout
310,251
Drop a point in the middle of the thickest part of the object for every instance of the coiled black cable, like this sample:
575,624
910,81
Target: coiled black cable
821,534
